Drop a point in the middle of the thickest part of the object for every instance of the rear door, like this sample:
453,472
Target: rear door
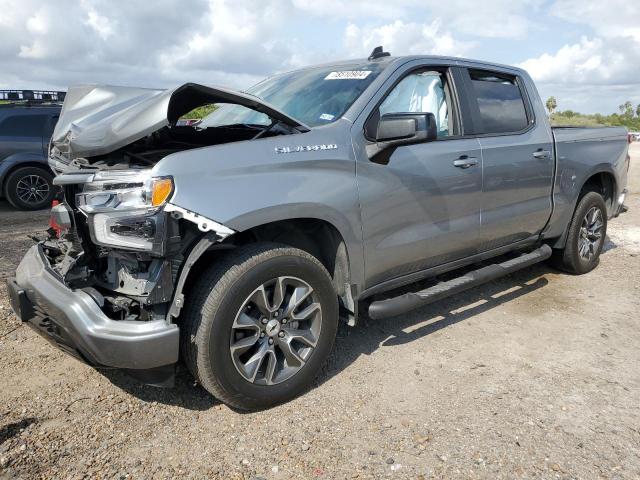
21,132
517,157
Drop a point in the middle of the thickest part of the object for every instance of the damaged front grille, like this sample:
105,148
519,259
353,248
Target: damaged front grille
127,285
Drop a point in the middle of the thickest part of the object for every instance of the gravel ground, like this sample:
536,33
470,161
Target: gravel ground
535,375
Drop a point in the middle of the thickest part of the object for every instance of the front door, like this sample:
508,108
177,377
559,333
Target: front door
420,206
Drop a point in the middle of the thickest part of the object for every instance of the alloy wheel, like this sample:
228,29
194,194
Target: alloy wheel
276,330
590,233
32,189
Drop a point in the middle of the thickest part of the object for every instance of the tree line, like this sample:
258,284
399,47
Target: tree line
628,117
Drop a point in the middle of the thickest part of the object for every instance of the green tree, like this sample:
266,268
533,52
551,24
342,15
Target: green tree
626,109
551,105
200,112
638,111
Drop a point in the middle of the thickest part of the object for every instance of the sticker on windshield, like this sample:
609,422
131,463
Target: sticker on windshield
348,75
327,116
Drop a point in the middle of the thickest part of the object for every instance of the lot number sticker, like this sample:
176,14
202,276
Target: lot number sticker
348,75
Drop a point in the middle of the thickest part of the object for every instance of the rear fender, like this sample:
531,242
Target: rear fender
569,185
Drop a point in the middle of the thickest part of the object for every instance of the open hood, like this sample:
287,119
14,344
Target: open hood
96,120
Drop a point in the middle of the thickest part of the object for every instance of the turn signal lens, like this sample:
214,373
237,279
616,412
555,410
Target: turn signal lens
161,189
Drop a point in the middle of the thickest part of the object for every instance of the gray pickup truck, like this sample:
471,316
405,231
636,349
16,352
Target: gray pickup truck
327,193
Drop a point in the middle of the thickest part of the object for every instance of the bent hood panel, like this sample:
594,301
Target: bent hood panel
96,120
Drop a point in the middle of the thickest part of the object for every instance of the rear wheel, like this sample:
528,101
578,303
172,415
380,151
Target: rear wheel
586,236
30,188
259,325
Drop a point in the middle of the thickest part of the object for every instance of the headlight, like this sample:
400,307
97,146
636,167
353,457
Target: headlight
128,230
123,209
124,191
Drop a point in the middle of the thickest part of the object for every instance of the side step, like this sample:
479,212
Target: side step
409,301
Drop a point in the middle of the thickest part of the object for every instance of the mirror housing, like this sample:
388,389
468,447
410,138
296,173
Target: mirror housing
396,129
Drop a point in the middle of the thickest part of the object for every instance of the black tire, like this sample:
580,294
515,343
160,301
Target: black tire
569,258
14,187
216,299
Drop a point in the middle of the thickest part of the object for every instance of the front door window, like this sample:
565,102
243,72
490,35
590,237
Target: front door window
420,92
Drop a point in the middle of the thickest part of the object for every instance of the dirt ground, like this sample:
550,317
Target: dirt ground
535,375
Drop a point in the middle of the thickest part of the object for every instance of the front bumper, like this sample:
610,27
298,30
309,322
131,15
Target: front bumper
74,322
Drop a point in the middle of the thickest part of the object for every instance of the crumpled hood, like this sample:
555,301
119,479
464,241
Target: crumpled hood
96,119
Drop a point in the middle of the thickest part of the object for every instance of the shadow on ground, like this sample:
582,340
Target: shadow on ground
370,334
186,393
11,430
364,339
608,244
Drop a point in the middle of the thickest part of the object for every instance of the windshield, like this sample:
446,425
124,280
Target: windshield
314,96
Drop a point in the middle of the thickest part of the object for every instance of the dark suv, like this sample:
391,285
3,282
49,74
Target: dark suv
27,119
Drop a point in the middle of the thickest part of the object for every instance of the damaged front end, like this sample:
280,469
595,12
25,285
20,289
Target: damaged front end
106,285
119,240
122,241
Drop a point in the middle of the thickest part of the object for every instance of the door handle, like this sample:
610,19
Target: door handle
465,162
541,154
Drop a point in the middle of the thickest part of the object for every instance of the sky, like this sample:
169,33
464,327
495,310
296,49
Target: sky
586,53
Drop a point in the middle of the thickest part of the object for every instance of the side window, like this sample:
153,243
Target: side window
500,102
49,127
23,125
421,92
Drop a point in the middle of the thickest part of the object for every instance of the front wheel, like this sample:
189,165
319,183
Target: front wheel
259,325
587,232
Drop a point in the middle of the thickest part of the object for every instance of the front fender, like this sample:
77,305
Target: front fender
247,184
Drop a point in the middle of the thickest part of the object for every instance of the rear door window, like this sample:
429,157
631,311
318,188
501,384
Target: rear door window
500,102
24,125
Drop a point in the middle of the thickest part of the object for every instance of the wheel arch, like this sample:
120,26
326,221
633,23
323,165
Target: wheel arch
601,180
11,164
604,183
316,236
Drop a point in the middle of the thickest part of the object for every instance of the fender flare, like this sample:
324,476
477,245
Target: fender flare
211,240
596,170
177,302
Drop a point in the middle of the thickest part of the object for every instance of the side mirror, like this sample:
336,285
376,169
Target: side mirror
406,128
396,129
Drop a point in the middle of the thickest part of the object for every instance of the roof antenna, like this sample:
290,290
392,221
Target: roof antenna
378,52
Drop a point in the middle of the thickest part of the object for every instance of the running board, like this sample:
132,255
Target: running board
409,301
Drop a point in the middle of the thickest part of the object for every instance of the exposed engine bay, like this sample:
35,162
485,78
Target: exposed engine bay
122,127
147,151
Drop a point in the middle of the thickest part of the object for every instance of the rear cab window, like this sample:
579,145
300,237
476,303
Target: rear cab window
500,104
